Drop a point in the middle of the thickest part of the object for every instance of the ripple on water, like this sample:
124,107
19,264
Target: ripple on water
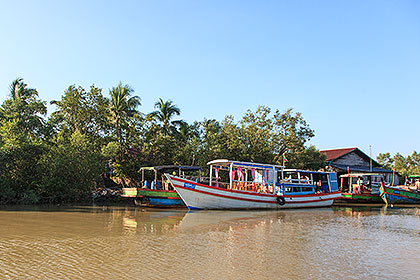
131,243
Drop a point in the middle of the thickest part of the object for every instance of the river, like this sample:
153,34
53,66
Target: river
91,242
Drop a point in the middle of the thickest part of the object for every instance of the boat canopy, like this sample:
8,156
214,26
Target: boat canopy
414,176
351,175
227,163
181,169
165,168
305,171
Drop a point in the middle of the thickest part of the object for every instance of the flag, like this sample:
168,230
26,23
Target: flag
284,158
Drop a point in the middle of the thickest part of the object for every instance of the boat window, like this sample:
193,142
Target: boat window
307,189
291,177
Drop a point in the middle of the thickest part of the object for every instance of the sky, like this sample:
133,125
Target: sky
352,68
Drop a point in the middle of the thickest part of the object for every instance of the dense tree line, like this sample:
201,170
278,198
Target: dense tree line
405,166
64,157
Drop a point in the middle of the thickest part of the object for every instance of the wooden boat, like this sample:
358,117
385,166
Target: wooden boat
257,186
403,194
360,188
159,193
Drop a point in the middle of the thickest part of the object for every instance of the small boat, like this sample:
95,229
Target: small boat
403,194
159,193
360,188
245,185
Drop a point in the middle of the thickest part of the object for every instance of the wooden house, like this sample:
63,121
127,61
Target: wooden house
353,160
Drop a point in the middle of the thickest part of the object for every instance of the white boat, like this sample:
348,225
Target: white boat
257,186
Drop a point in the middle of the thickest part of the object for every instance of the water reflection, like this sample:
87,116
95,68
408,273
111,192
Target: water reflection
128,242
152,220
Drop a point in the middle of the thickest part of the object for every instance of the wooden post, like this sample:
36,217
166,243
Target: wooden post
230,175
155,178
211,174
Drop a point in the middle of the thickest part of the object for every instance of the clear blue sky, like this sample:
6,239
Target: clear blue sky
352,68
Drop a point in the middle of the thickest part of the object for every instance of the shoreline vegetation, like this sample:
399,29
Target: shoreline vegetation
95,143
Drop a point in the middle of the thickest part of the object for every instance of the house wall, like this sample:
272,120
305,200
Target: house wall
390,178
352,159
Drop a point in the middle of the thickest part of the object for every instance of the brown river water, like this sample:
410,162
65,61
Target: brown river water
90,242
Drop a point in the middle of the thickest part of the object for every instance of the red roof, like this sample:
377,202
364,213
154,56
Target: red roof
336,153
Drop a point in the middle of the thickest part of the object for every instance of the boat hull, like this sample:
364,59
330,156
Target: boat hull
154,198
396,195
198,196
359,198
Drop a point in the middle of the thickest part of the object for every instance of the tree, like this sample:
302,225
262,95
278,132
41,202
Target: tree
385,160
21,146
257,131
122,106
70,168
23,113
83,111
166,110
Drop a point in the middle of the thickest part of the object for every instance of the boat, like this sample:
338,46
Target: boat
159,192
360,188
246,185
402,194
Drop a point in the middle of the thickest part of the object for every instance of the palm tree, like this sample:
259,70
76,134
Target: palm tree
166,110
20,92
122,106
25,107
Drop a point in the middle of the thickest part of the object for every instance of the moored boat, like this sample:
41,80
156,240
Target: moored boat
246,185
159,192
360,188
404,194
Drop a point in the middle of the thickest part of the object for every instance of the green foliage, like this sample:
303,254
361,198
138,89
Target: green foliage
111,150
63,159
83,111
122,106
166,110
385,160
71,167
405,166
21,148
20,173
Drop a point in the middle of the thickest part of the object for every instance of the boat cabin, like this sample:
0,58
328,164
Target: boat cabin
158,180
413,182
357,183
267,178
308,182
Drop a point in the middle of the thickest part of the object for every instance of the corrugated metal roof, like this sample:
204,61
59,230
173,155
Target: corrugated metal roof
336,153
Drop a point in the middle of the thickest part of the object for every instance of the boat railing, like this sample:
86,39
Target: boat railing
242,185
297,181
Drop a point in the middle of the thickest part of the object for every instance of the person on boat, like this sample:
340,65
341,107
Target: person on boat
359,185
417,184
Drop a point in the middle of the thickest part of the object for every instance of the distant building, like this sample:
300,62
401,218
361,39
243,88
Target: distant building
353,160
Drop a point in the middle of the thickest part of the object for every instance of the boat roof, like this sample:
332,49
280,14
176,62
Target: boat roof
361,174
165,168
305,171
227,163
